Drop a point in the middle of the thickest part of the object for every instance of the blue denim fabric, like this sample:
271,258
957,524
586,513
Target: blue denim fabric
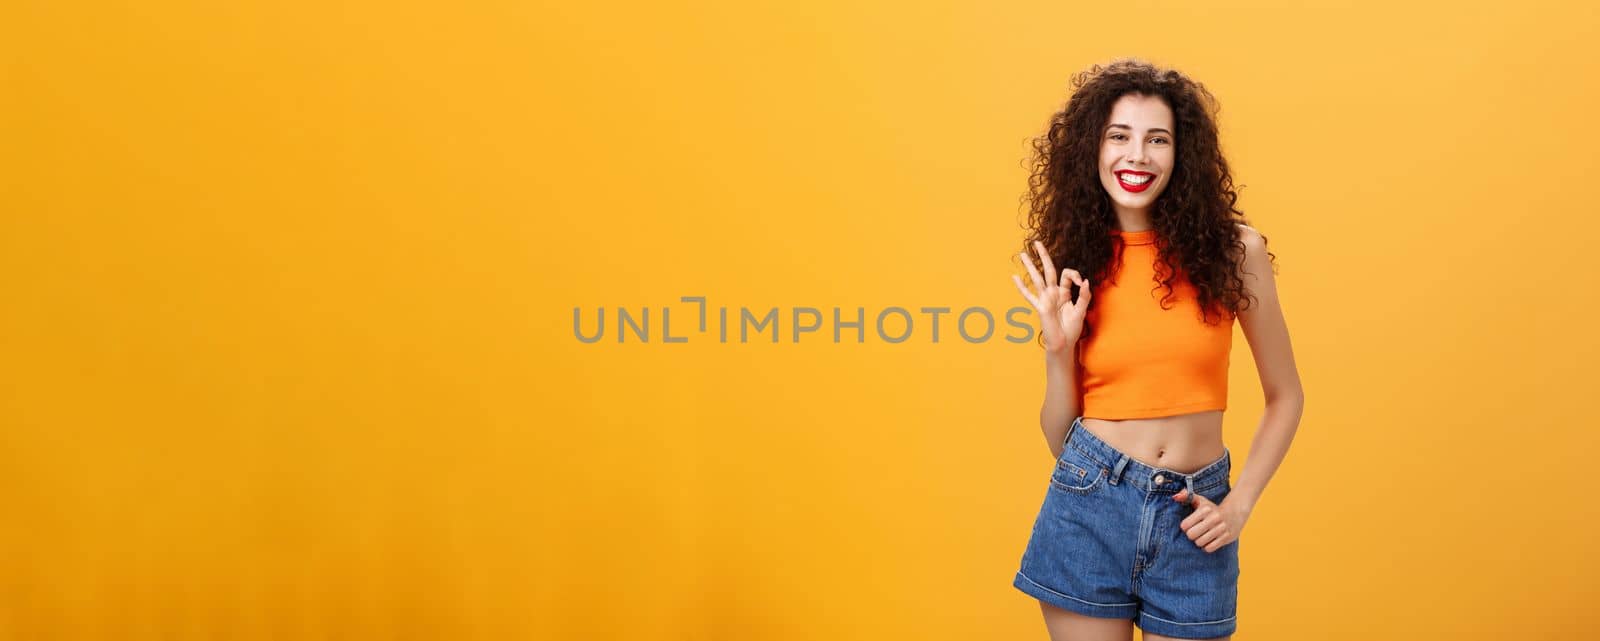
1106,543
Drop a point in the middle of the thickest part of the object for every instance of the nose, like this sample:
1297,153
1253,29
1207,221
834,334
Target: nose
1136,153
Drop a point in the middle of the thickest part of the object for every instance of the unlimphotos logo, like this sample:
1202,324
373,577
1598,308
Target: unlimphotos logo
892,324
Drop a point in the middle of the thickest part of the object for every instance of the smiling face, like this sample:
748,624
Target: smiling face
1137,153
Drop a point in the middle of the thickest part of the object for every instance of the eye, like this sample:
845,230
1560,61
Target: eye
1117,136
1160,140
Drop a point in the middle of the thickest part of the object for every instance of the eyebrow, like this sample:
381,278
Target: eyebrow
1156,130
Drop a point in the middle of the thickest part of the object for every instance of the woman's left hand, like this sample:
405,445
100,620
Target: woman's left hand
1211,525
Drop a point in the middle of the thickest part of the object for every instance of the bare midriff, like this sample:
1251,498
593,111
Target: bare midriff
1182,443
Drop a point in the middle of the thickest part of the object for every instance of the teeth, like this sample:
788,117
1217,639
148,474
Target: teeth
1133,179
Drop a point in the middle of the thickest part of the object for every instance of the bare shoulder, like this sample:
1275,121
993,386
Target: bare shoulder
1254,243
1256,268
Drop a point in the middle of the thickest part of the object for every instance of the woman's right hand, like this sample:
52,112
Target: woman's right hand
1060,319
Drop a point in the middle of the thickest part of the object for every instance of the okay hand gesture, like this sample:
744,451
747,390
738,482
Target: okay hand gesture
1060,318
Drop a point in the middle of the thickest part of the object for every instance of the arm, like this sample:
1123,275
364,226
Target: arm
1268,335
1061,324
1061,402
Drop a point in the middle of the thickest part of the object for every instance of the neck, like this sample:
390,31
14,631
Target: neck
1133,219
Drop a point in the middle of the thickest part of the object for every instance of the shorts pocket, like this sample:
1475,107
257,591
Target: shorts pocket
1078,473
1217,492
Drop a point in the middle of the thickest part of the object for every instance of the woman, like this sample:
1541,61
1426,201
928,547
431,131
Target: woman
1140,524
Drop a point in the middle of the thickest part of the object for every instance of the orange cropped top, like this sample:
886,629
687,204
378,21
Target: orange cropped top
1142,361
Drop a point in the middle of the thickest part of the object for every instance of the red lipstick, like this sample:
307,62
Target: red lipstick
1132,188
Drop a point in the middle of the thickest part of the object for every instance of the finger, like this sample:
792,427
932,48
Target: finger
1203,533
1038,281
1049,265
1217,544
1073,274
1024,289
1212,537
1084,296
1066,277
1196,517
1191,520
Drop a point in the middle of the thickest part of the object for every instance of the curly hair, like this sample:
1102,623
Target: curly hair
1195,217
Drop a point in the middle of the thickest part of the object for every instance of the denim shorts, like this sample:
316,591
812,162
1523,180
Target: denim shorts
1106,543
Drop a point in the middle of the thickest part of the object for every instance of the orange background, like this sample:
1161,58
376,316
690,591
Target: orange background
289,292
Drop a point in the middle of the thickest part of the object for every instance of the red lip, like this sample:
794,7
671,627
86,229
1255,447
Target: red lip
1134,188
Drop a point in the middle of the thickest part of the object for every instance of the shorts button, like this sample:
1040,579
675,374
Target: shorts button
1160,479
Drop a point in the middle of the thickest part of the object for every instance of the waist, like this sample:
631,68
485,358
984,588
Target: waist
1150,478
1182,443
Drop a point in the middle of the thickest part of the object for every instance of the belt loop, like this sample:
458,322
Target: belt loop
1122,462
1188,482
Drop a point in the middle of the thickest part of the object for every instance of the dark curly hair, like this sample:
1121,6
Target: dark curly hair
1195,218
